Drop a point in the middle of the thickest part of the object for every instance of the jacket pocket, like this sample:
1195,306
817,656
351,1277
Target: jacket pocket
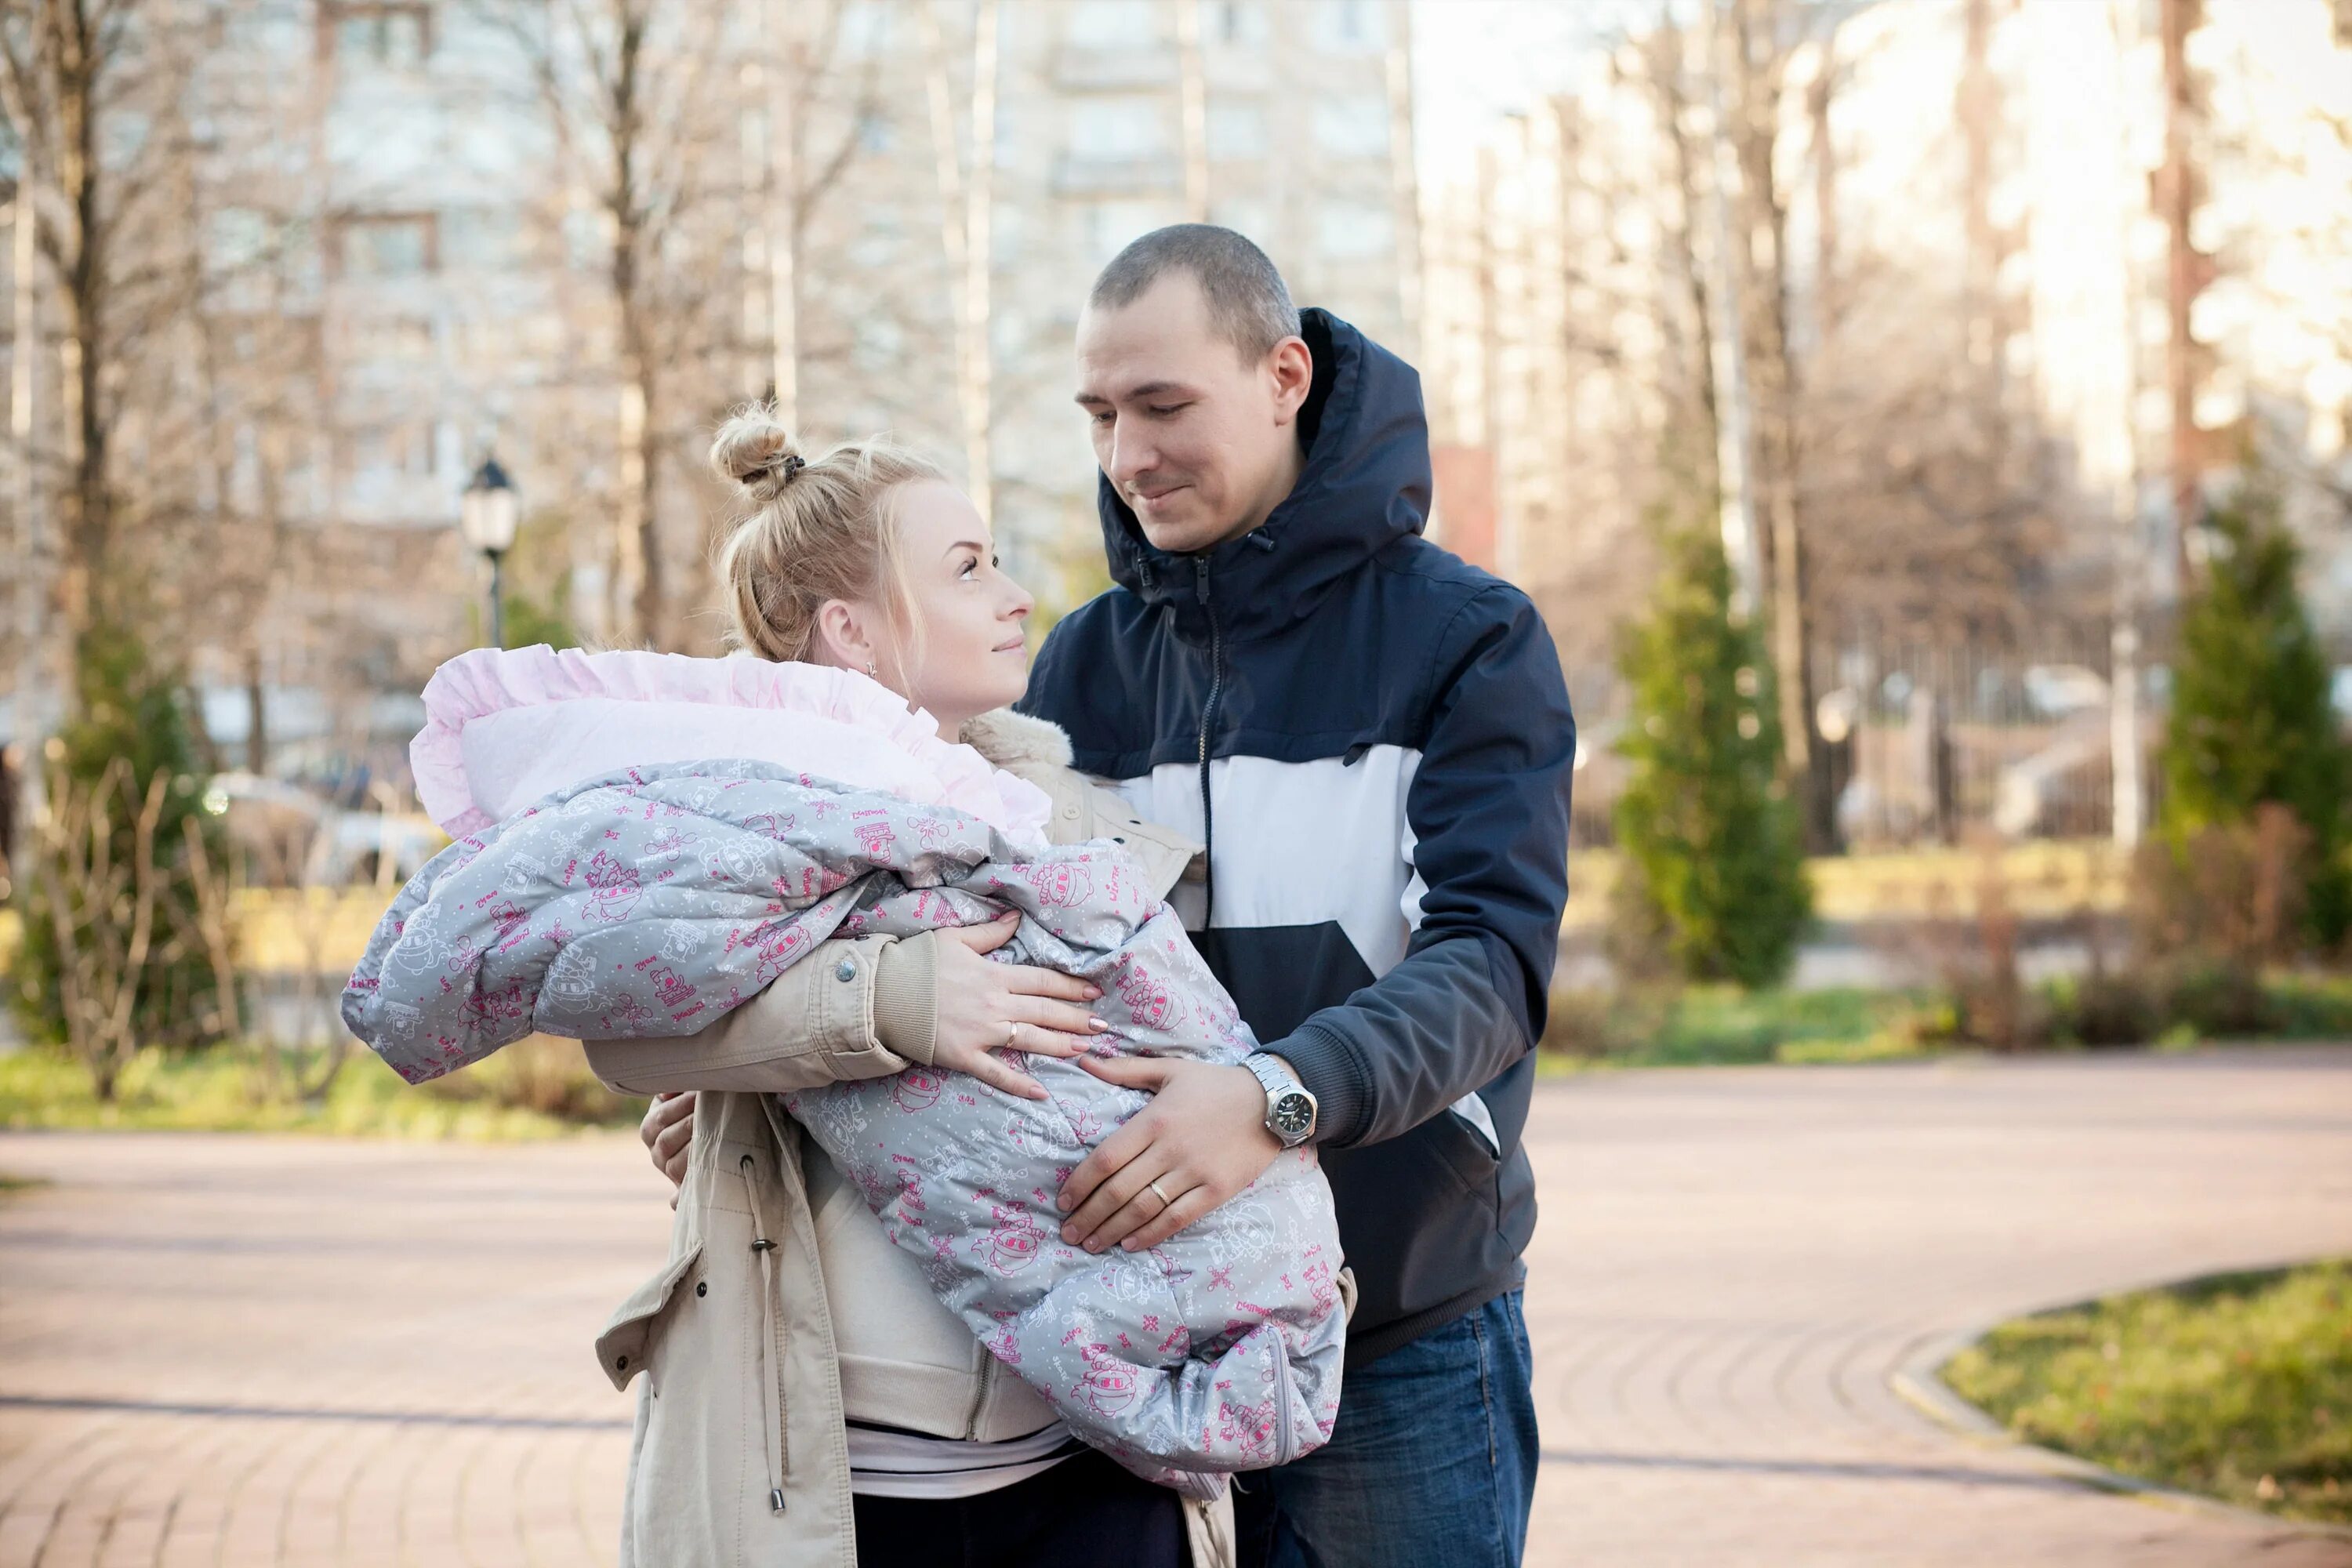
631,1337
1454,1143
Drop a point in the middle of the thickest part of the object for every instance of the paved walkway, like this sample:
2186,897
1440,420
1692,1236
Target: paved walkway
236,1351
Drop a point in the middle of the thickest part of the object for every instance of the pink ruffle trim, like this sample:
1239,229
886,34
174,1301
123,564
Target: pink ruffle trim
488,680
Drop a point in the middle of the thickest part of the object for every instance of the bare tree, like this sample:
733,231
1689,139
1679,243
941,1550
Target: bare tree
967,174
792,84
634,93
92,92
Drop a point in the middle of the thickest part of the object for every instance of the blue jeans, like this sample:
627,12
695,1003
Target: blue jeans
1432,1465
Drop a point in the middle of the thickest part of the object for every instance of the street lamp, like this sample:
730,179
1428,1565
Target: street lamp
488,519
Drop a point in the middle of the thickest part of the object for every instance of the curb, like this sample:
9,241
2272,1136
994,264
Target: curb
1918,1383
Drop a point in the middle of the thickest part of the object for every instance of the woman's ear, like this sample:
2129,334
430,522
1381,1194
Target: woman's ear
842,638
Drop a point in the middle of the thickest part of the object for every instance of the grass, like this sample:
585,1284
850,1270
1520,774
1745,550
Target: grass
538,1088
1713,1026
2239,1386
1721,1025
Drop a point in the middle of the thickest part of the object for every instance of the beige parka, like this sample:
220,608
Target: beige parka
782,1310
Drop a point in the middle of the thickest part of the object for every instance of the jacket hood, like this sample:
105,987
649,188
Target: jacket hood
1365,485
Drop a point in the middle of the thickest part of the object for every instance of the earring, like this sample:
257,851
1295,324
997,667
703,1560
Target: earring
872,670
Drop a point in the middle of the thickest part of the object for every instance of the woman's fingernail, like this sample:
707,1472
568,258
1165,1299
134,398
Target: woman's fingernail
1097,1025
1093,992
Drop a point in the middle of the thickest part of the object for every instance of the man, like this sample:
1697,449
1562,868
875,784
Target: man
1374,739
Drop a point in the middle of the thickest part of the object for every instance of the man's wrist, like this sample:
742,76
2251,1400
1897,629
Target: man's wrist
1290,1111
1331,1072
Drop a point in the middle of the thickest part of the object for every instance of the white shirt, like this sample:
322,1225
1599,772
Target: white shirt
885,1463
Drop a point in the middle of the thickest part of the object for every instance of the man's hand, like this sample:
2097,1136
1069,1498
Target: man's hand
983,1006
669,1133
1203,1139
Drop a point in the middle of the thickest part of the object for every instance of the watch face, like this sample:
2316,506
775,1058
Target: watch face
1294,1115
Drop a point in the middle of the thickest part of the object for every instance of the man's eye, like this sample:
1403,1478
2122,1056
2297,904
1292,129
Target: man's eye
1163,413
1100,416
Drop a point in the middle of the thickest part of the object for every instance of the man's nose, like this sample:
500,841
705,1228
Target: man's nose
1130,455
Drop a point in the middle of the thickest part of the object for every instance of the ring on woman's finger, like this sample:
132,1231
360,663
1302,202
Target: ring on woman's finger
1165,1201
1012,1034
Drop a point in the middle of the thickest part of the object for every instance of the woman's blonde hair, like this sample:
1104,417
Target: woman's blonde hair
816,530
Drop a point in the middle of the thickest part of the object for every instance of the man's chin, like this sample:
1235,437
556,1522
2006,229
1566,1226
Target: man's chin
1182,534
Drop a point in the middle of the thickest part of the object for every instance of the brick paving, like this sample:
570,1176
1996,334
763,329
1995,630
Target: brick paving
242,1351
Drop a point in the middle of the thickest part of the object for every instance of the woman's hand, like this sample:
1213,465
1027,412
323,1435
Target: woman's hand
982,1007
669,1133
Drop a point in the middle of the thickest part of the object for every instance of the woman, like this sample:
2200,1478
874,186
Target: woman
900,1432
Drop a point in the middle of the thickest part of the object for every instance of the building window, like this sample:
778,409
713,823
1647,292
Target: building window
1114,25
1347,233
391,34
1252,218
380,454
1241,22
1111,224
1352,127
1352,26
1236,131
387,246
1113,130
392,339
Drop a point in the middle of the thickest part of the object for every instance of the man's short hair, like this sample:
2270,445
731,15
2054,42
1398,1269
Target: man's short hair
1249,305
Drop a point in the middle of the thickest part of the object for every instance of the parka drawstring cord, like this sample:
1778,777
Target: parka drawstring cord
777,1447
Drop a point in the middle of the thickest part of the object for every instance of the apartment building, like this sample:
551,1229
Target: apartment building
429,276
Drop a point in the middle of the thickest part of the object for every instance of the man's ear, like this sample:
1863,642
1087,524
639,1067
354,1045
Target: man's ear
1292,366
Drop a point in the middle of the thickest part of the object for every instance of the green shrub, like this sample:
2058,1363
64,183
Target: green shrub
1714,854
2251,723
129,709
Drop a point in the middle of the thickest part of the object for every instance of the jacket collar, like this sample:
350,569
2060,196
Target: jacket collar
1365,485
1015,740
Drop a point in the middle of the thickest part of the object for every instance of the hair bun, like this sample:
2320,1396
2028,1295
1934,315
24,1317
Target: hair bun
755,451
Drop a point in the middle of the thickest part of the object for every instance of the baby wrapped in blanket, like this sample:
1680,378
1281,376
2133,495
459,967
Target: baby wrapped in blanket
647,840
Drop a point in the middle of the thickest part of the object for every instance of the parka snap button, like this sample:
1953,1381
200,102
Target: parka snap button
1070,812
848,970
620,1363
702,1286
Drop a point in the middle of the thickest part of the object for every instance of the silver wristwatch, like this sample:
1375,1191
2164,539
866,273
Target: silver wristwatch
1289,1109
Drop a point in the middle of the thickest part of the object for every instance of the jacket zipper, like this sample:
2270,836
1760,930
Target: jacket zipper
1208,723
980,1402
777,1449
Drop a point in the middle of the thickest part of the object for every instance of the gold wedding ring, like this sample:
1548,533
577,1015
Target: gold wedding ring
1164,1199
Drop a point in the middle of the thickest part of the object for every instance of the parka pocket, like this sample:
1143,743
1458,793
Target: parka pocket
632,1337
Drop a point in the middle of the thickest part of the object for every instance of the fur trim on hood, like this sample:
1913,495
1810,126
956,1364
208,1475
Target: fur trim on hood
1012,741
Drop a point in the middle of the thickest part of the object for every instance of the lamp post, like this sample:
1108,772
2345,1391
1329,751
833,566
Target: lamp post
488,519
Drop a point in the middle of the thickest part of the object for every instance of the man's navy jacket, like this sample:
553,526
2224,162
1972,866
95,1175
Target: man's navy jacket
1374,738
